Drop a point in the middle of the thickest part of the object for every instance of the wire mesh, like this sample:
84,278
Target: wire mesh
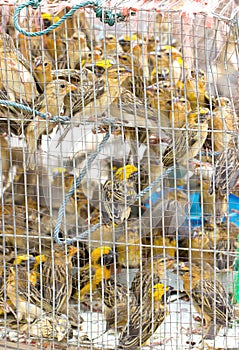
119,223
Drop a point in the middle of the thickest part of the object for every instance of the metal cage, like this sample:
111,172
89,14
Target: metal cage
119,177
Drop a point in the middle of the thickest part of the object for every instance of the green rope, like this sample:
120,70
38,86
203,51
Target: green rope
105,16
54,119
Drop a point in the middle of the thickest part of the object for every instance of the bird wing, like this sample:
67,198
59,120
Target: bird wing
209,295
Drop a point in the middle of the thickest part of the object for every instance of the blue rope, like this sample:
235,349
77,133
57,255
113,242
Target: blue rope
55,119
71,192
105,16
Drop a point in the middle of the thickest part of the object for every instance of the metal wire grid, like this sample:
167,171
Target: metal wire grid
31,198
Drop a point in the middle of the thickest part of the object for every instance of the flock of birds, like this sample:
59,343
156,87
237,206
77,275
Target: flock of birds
145,94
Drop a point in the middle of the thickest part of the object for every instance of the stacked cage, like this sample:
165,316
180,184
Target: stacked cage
119,176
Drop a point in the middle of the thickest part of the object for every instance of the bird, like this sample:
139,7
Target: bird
194,88
98,269
160,96
44,73
201,246
15,73
57,277
119,194
224,179
125,41
152,272
51,103
101,99
119,303
223,124
144,321
24,296
225,66
134,112
77,49
110,45
179,112
209,297
167,57
49,326
53,40
129,250
189,140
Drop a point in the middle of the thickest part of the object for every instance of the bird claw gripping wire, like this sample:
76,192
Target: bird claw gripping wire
104,15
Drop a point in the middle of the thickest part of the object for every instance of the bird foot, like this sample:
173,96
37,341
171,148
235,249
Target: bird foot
197,318
160,343
190,331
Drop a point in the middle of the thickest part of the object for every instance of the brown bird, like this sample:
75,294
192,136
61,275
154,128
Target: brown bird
119,194
129,252
15,74
100,98
145,320
224,179
116,298
195,88
223,124
152,272
57,278
49,326
24,296
179,112
188,141
52,103
77,50
208,295
110,45
167,57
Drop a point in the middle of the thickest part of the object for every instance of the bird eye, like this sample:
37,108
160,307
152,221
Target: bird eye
89,55
124,58
45,64
62,86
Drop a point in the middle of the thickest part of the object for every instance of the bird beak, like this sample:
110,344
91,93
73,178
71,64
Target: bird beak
168,293
164,73
151,88
38,63
60,336
73,87
108,259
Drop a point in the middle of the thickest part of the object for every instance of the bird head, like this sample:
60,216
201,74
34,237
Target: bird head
162,74
118,72
103,256
41,64
125,172
223,102
109,38
200,114
127,39
49,19
199,238
59,87
6,42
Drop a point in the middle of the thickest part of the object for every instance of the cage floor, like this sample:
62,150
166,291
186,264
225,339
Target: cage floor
177,332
